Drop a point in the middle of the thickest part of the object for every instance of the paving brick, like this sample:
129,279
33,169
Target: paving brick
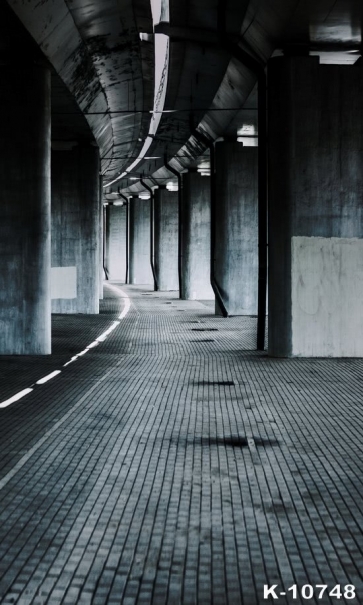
167,469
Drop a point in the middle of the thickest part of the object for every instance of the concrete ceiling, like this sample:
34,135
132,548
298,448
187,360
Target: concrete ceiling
96,49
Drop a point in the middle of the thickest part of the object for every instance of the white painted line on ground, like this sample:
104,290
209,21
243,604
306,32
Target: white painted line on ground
93,344
48,377
125,297
51,431
102,338
4,404
82,352
72,359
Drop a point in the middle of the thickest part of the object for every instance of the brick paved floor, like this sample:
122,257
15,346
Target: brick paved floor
174,464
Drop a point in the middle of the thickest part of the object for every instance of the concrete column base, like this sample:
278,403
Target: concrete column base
196,240
236,229
116,243
166,231
140,267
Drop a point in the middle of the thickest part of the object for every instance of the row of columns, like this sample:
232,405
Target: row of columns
236,250
315,118
315,217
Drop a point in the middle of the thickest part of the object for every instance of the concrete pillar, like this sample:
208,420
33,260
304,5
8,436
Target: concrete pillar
101,241
166,230
236,229
75,230
196,244
25,320
316,208
116,243
139,243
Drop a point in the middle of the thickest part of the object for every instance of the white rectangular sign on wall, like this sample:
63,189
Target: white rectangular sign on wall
63,282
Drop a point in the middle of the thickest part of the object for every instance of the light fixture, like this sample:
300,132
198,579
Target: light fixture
172,186
247,130
144,196
160,13
146,37
204,168
248,141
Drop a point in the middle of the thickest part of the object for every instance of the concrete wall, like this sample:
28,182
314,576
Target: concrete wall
196,237
327,282
25,320
236,229
75,226
140,268
315,192
116,243
166,233
101,240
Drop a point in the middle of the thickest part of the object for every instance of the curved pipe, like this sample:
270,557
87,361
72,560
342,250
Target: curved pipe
152,255
180,225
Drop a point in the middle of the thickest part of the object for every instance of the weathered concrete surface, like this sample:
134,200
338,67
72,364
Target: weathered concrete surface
116,243
139,244
101,241
315,190
196,244
75,225
94,45
236,231
326,283
25,210
166,228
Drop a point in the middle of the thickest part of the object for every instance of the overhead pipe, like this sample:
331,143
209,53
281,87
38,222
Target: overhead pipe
152,236
258,69
127,204
180,226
